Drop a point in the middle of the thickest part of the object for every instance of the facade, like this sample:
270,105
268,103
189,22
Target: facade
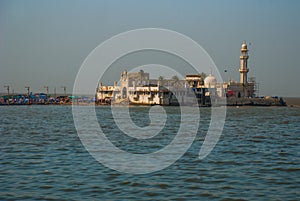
138,89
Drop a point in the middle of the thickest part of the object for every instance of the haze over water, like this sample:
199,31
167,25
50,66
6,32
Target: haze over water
257,158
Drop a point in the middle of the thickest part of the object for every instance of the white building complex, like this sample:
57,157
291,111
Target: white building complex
138,88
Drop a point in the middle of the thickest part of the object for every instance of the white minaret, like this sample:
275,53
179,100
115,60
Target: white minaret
243,66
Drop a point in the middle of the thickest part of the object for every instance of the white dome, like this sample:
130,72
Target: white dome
244,46
210,80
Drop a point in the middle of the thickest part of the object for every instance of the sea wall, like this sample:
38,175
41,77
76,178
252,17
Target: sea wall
263,101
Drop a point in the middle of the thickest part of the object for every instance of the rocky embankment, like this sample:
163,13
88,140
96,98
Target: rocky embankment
264,101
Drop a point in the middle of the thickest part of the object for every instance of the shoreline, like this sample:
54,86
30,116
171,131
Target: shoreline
231,102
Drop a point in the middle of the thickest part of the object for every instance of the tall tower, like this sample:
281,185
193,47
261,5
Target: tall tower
243,66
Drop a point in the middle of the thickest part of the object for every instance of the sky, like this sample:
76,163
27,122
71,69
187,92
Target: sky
44,43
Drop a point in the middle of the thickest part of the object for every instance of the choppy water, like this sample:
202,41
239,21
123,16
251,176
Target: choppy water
257,158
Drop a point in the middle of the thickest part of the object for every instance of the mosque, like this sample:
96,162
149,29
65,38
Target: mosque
138,89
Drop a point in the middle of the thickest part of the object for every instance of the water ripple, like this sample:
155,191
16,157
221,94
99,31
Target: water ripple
257,158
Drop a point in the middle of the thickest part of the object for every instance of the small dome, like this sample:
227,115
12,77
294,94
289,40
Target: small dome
210,80
244,46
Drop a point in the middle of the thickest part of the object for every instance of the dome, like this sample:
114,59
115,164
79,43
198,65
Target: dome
244,46
210,80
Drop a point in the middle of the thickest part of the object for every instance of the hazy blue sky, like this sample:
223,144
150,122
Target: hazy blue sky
45,42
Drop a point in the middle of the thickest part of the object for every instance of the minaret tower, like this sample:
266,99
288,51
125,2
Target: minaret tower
243,66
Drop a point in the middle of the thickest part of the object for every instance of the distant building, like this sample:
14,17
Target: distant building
138,88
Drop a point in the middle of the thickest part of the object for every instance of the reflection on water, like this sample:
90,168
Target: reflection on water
257,158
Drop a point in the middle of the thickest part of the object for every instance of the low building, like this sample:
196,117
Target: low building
139,89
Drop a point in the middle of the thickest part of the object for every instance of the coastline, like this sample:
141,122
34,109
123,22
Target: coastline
258,102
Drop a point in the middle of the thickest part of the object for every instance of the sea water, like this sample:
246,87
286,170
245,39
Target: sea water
256,158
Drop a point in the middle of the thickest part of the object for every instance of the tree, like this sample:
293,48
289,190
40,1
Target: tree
203,75
161,79
175,80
